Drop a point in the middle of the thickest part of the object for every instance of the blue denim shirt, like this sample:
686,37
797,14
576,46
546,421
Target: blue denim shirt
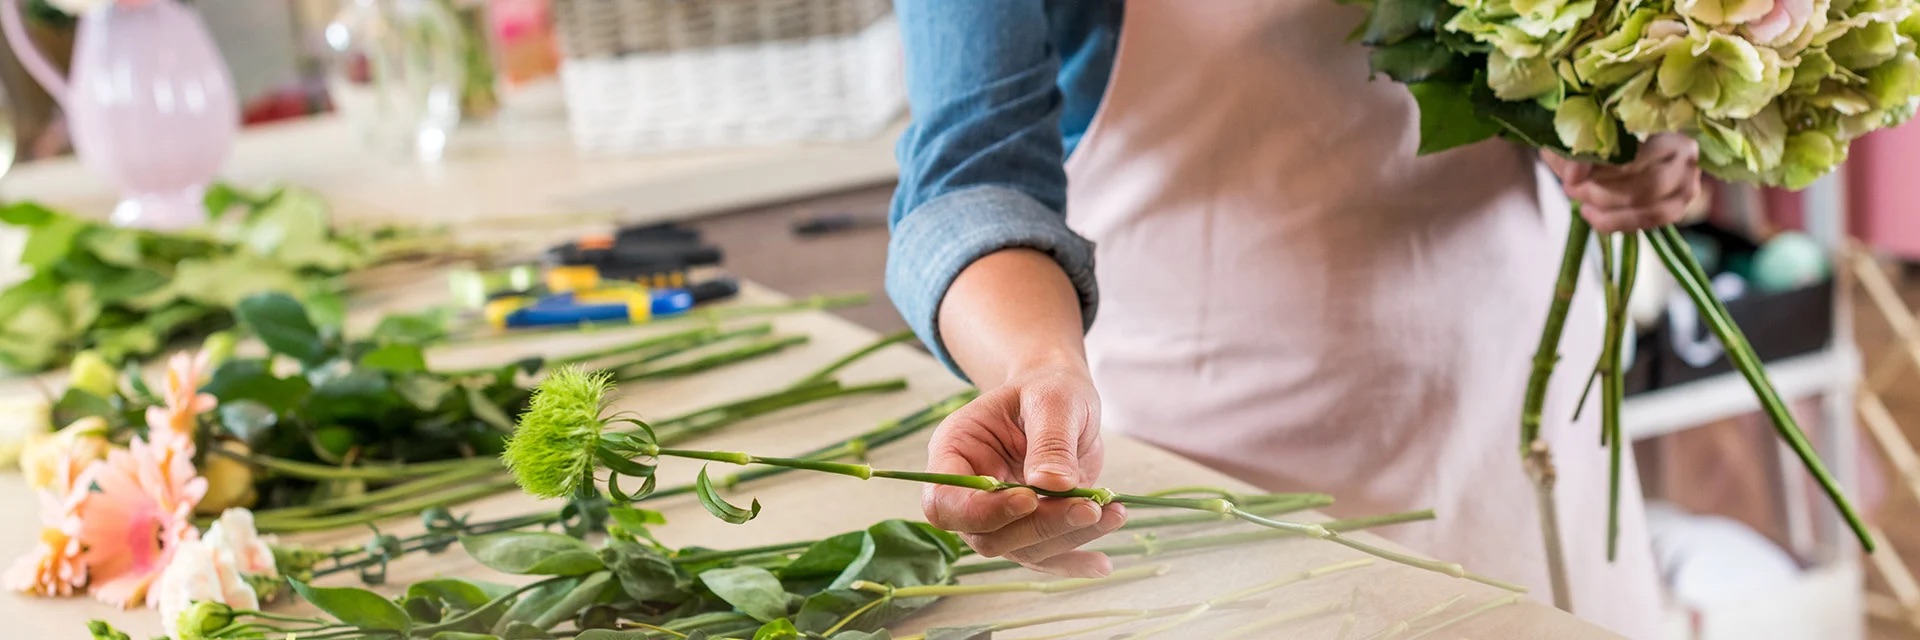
1001,91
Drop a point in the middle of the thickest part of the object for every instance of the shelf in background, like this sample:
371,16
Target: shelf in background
1678,408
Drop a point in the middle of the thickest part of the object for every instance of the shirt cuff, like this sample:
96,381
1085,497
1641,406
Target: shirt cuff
932,244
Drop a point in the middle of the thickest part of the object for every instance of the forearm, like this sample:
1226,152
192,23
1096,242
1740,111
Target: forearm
1009,312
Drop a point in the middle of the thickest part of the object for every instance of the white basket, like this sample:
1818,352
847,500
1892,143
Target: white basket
660,75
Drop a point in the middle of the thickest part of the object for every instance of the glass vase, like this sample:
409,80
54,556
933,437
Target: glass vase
397,73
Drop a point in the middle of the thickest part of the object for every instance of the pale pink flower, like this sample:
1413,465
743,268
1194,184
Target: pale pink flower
56,567
140,515
234,537
200,573
172,423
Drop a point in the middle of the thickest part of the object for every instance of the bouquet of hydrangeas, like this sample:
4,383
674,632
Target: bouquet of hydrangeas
1774,91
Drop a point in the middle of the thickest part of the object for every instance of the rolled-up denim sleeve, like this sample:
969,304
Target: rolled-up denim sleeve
981,163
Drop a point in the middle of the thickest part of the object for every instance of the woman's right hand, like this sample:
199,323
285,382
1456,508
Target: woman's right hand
1040,427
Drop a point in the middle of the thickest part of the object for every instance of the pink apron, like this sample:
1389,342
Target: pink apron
1290,295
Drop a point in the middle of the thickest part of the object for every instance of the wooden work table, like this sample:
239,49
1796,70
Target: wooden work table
797,506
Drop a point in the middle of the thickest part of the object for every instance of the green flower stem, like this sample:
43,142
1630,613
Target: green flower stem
1534,452
1261,628
1099,496
400,508
375,473
475,469
1679,261
1244,594
1156,547
707,337
1268,505
1613,382
827,372
510,596
1483,608
706,316
433,539
1020,586
1403,625
707,420
749,351
668,342
888,432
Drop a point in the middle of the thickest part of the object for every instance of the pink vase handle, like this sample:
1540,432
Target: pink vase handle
30,56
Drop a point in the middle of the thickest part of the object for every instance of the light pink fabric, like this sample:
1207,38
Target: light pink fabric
1290,295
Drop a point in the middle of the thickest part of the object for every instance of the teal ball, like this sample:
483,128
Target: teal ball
1789,261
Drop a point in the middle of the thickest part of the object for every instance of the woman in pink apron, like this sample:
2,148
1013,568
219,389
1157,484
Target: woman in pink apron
1285,291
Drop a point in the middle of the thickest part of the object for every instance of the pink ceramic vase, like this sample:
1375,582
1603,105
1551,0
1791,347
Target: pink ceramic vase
149,105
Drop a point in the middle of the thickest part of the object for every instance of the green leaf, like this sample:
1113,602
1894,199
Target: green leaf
719,506
901,553
645,575
752,590
76,404
487,411
116,246
247,379
421,328
976,632
1420,60
826,558
453,592
359,394
356,607
50,241
1526,122
609,634
221,198
881,634
398,358
1393,21
523,631
462,635
533,553
248,420
781,629
293,228
636,522
577,600
1448,118
822,611
531,604
327,309
27,214
424,391
282,324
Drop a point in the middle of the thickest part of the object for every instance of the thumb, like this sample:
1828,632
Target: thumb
1054,424
1570,171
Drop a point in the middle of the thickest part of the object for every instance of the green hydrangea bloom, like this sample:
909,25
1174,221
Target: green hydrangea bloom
1585,128
551,452
1723,75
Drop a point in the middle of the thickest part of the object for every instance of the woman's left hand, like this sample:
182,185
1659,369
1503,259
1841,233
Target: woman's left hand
1652,191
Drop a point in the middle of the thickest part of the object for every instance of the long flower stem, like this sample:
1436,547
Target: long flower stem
749,351
1534,451
709,336
1613,382
1470,613
1244,594
1097,495
374,473
430,484
400,508
707,316
702,421
1259,627
668,342
1019,586
1156,547
1403,625
827,372
476,612
1679,261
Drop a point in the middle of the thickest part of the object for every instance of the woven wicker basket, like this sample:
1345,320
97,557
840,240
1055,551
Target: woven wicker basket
660,75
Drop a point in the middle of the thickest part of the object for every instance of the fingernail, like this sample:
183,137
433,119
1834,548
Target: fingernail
1056,470
1083,514
1022,503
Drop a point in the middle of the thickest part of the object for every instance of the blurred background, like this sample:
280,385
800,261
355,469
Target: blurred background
766,125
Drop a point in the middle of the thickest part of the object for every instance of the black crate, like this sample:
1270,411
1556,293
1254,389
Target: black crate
1779,325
